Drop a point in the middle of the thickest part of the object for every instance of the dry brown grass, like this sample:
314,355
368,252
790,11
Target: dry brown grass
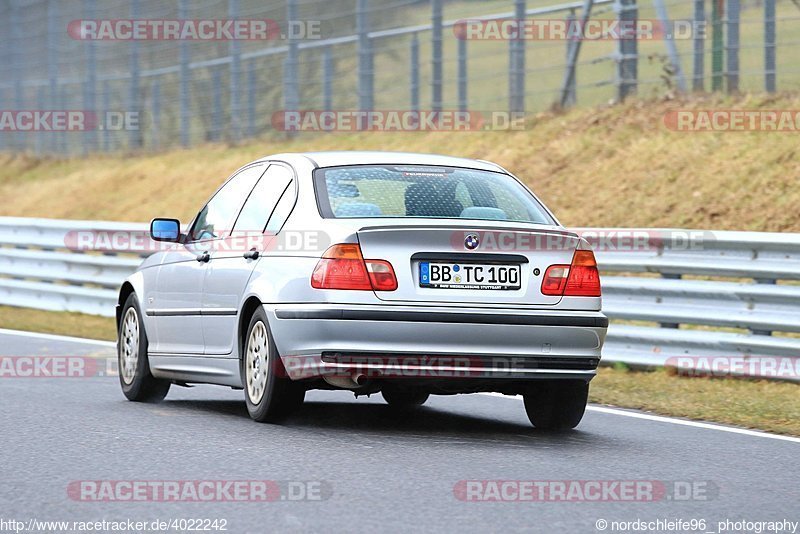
615,166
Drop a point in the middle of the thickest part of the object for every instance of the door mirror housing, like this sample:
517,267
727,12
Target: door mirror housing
168,230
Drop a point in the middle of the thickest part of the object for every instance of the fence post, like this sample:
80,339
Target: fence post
571,96
135,105
184,81
365,59
733,46
236,65
672,50
89,98
516,62
462,76
699,45
252,91
216,114
155,128
291,97
414,74
17,69
52,63
769,46
37,146
437,52
327,79
716,44
628,48
569,74
106,106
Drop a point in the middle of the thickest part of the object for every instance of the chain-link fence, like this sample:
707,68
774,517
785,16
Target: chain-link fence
154,89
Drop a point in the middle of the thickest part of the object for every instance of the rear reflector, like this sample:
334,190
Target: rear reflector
581,279
343,267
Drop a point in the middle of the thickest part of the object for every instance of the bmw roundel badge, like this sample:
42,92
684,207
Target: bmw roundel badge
471,241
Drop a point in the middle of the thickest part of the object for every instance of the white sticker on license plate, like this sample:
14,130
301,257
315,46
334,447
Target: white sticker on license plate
469,276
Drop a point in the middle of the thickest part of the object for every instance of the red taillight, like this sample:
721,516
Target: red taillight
581,279
343,267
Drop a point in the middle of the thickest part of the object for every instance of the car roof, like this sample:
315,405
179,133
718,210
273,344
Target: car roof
335,159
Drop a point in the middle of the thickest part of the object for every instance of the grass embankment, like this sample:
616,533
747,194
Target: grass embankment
616,166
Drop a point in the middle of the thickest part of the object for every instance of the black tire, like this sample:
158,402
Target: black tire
557,404
404,398
278,396
138,384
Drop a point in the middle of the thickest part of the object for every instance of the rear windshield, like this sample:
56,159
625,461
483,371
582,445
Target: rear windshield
375,191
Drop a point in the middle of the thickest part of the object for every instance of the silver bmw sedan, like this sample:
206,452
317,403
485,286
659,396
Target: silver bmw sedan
404,274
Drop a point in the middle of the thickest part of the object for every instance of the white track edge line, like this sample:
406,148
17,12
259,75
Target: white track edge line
674,421
55,337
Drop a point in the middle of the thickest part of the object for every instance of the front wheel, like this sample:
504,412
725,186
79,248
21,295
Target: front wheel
556,404
269,394
134,368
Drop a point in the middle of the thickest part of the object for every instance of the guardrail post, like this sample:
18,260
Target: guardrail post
365,59
699,45
327,79
184,95
235,72
437,56
769,46
135,104
733,46
627,67
516,62
414,74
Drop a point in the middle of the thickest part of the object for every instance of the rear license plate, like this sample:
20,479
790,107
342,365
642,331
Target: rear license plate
469,276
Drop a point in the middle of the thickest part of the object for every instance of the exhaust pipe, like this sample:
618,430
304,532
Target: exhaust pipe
353,381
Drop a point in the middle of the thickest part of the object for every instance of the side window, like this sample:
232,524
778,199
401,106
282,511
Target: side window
216,218
262,200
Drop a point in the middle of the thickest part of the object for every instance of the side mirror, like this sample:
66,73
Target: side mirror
165,230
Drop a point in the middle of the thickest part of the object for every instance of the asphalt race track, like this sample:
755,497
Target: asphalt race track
342,464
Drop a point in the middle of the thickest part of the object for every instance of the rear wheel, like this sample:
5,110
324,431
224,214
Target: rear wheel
404,398
134,368
270,395
557,404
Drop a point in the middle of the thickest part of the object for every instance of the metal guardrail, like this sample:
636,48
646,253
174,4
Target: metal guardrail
704,294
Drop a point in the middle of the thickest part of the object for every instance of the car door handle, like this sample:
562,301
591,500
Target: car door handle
204,257
251,254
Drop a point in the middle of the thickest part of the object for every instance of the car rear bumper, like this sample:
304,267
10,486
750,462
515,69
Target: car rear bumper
436,342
